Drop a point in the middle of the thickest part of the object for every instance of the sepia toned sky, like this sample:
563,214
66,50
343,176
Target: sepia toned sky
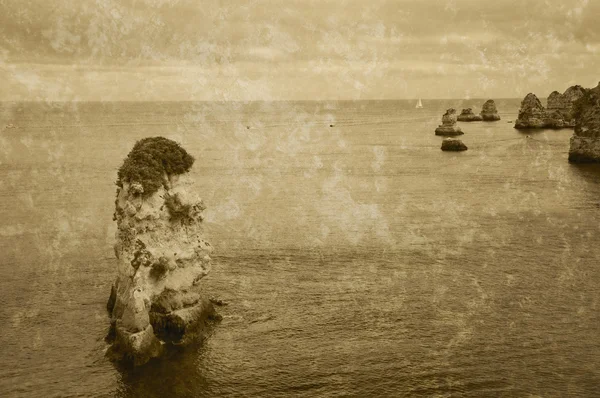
295,49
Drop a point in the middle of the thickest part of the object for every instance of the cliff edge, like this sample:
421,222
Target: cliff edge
585,142
558,113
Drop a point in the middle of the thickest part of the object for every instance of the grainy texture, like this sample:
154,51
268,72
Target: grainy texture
356,257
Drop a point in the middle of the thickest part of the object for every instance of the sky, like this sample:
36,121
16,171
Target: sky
123,50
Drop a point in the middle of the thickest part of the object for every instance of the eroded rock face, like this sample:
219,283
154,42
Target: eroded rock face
533,115
448,126
563,103
555,100
467,115
453,144
489,113
585,143
161,258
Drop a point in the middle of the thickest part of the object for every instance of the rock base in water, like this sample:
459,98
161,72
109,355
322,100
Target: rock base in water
183,325
491,118
584,150
467,115
448,130
134,348
452,144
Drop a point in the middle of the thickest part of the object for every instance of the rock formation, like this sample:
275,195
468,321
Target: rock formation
467,115
448,126
558,114
585,143
532,115
489,113
563,103
453,144
161,254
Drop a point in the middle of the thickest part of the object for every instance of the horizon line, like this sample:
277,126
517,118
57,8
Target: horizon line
274,100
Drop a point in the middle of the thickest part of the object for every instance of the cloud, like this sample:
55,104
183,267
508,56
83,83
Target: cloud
296,49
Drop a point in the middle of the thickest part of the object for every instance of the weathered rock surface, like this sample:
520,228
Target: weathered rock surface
585,142
467,115
453,144
489,113
532,115
563,103
161,258
448,126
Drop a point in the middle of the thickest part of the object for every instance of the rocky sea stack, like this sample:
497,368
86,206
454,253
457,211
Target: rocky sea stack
558,113
585,143
161,254
467,115
489,113
532,115
563,103
453,144
448,126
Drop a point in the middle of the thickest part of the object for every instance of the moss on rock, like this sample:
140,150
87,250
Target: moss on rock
149,160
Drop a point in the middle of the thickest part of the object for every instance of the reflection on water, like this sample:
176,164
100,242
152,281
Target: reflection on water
357,259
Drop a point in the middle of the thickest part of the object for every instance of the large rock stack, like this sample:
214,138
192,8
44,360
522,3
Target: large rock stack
558,113
585,143
532,115
448,126
489,113
161,252
563,103
467,115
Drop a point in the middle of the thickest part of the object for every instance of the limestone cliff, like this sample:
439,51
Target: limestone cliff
563,103
533,115
161,253
448,126
585,142
467,115
489,113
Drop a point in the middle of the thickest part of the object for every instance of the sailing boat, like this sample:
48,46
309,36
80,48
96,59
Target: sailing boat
419,104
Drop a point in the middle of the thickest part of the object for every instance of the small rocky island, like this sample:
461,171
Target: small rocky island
453,144
162,256
448,126
558,114
585,142
467,115
489,113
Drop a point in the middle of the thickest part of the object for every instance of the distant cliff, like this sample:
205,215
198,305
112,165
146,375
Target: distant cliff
533,115
558,113
563,103
161,253
585,143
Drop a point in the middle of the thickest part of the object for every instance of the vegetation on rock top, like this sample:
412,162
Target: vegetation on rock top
150,159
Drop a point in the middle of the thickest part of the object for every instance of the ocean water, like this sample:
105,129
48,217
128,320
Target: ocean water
356,257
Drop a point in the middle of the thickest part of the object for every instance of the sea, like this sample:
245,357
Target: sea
356,258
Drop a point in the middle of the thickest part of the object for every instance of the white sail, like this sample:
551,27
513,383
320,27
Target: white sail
419,104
